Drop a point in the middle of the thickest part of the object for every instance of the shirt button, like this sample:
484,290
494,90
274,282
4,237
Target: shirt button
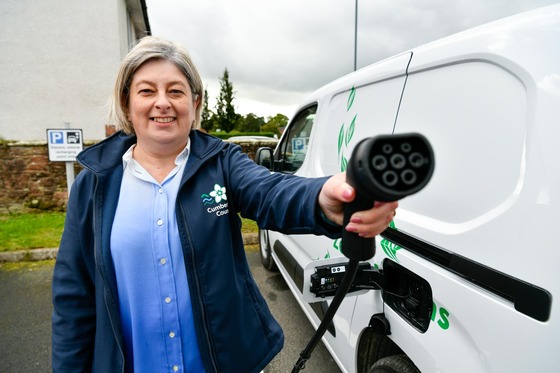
163,261
172,334
160,222
167,299
160,191
175,368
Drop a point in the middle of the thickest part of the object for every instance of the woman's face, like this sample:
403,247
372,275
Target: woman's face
161,106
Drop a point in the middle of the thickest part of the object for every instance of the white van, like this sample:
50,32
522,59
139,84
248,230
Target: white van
471,262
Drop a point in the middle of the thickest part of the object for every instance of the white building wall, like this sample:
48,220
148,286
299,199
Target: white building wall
58,62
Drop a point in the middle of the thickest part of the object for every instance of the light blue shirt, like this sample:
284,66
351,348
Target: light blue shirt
154,299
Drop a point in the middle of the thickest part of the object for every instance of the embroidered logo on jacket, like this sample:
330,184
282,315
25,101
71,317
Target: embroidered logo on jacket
218,199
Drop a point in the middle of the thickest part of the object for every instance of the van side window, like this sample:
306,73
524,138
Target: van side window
293,147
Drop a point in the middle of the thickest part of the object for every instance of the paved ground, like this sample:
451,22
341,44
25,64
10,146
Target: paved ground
297,329
25,316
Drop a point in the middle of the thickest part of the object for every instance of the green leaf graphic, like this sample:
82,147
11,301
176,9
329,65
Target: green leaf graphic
390,249
340,138
343,164
337,244
351,99
350,131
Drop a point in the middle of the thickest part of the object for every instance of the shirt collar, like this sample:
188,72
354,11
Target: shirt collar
181,157
130,163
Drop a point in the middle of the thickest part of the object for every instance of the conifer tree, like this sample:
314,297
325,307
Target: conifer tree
206,121
225,111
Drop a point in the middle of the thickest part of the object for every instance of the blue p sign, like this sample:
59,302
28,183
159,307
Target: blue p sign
56,138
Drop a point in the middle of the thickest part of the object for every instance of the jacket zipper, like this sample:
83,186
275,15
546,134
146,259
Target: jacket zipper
198,299
103,275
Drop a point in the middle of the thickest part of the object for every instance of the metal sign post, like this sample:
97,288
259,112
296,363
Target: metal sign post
64,145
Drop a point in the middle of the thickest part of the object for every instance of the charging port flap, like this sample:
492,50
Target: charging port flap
407,294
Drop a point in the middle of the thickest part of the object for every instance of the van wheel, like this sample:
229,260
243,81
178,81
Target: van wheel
374,347
394,364
266,252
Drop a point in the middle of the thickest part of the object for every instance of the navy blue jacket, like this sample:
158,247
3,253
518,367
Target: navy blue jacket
235,329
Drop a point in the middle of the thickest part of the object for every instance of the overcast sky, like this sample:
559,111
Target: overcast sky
279,51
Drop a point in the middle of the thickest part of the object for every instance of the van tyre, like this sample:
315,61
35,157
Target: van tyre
394,364
374,347
266,251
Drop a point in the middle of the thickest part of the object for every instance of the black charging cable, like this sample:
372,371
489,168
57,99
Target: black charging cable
341,292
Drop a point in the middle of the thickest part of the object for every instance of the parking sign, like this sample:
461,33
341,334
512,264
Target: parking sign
64,144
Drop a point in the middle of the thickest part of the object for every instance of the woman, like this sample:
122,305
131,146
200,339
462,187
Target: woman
151,274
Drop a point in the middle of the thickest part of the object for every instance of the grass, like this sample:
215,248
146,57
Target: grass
43,230
30,230
25,265
249,226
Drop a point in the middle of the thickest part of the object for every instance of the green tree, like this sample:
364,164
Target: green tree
275,124
250,123
206,121
225,111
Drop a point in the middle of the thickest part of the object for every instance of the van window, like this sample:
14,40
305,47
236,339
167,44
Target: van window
293,146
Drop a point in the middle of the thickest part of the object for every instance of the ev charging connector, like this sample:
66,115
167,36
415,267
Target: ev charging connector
384,168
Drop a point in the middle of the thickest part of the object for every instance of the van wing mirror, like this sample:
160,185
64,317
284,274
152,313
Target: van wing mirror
264,157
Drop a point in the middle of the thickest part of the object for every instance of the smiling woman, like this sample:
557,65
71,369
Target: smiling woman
158,97
162,109
152,248
150,50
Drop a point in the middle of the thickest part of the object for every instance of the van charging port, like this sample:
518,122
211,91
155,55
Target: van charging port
408,294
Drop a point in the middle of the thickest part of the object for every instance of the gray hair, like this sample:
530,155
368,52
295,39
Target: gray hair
147,49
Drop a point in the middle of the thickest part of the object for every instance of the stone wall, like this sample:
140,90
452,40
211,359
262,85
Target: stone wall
251,147
28,179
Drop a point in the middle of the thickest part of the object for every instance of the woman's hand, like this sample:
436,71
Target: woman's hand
366,223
